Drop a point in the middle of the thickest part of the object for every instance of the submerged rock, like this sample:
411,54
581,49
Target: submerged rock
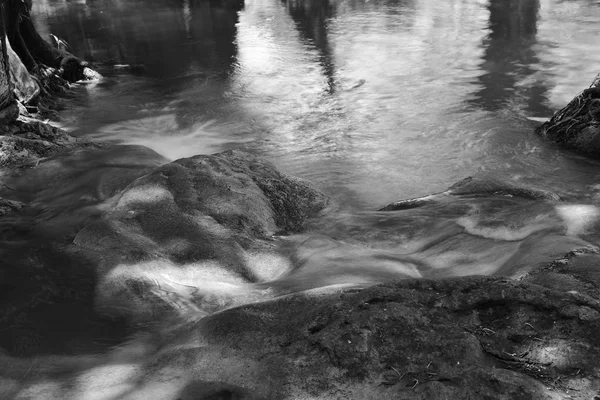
477,187
487,186
7,206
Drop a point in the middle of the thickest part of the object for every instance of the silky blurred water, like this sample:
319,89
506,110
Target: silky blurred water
371,100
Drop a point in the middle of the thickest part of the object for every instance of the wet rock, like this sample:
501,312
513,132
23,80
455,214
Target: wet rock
414,339
201,218
230,197
27,142
473,337
577,125
488,186
477,187
576,273
205,213
7,206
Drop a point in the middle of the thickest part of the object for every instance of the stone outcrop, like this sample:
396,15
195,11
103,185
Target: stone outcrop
456,338
206,216
465,338
577,125
206,213
26,143
478,338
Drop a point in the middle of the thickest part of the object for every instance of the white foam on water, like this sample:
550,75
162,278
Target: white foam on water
463,263
163,134
141,289
502,232
578,217
267,266
321,262
106,381
145,194
46,390
538,119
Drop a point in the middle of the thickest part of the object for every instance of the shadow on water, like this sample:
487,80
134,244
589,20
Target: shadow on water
509,59
166,39
47,286
181,53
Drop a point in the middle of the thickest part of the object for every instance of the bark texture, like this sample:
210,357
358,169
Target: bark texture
8,108
31,48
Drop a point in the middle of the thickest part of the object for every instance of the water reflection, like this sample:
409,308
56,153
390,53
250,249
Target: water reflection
169,38
416,93
510,60
366,98
311,18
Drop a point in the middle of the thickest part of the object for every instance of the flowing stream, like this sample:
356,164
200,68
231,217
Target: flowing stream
371,100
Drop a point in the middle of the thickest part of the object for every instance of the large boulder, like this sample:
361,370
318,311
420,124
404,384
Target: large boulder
203,220
105,233
192,251
476,338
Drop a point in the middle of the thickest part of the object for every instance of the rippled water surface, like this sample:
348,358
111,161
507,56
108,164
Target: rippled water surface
371,100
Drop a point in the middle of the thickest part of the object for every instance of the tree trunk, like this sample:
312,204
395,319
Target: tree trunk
8,107
31,48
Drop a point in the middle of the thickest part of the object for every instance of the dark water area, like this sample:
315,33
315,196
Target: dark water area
371,100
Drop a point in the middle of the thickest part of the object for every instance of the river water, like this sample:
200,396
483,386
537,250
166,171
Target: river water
372,101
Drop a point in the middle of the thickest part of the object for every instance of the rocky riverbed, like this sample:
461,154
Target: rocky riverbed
150,279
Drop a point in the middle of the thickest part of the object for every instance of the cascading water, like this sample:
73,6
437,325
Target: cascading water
372,101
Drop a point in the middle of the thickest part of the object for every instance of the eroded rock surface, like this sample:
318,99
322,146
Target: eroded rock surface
577,125
7,206
103,231
480,186
416,339
205,213
466,338
25,143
